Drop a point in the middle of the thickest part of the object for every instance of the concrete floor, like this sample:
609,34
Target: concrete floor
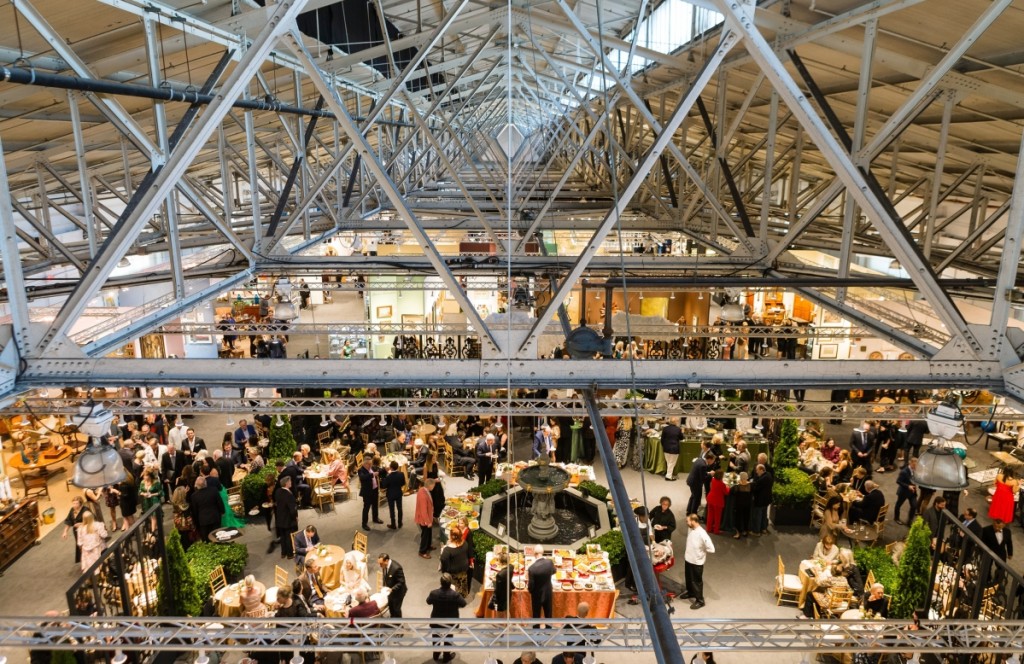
738,577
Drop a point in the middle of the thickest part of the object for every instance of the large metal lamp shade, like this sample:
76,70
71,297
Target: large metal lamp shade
732,313
941,469
99,465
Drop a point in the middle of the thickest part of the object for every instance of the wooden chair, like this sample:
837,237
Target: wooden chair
787,586
281,577
839,600
880,523
217,581
323,438
380,579
35,485
323,492
258,612
870,581
454,469
818,510
359,542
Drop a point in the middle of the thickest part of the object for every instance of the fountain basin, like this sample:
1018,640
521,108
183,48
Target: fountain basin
507,517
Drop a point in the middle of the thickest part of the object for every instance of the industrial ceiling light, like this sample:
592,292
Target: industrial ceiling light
202,658
230,423
280,421
284,309
324,421
894,264
939,467
296,658
119,658
732,312
124,262
100,465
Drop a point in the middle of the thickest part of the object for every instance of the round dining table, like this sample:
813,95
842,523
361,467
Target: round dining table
330,563
337,602
229,604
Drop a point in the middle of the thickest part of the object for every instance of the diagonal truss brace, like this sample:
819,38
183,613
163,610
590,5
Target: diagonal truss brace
373,163
728,40
739,15
118,242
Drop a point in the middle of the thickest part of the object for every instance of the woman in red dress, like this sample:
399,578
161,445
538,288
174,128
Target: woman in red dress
1002,500
716,503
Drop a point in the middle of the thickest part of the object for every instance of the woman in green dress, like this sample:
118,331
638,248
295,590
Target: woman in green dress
230,519
150,491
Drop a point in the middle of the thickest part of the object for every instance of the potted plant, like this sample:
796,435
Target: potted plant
913,577
591,488
490,488
792,496
180,598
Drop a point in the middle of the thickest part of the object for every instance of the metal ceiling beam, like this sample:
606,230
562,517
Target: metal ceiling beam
492,374
119,240
740,16
647,162
374,164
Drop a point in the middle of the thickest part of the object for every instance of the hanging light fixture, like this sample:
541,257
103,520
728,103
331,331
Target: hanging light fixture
119,658
99,465
202,658
296,658
280,421
939,467
324,421
284,309
230,423
732,310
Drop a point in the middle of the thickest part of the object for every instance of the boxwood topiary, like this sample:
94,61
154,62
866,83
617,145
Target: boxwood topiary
612,544
490,488
591,488
204,557
792,488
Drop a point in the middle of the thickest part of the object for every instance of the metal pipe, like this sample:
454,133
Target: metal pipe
42,79
796,282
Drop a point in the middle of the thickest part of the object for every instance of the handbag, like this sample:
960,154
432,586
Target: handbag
493,604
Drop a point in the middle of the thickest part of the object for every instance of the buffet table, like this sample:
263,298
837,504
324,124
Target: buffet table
578,578
461,505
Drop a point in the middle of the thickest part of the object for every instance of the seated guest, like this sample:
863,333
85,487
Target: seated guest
823,482
418,453
876,602
289,606
256,460
353,573
312,587
810,458
826,550
250,598
830,517
858,478
846,567
364,607
304,541
867,508
830,451
336,469
465,456
843,468
307,459
370,450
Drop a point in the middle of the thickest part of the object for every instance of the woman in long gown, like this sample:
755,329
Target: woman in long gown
91,534
229,519
1002,501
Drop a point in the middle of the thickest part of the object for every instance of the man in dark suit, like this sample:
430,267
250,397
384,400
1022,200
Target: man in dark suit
207,509
997,538
304,542
696,480
245,434
862,444
671,436
293,469
906,490
539,583
369,491
286,515
313,590
542,441
192,445
225,468
914,438
485,459
868,507
170,467
393,578
393,484
444,603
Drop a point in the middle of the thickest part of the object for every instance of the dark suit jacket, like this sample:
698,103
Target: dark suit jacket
366,489
539,583
1004,550
207,507
761,489
861,442
170,468
286,511
308,588
392,483
394,578
293,471
869,506
698,475
446,603
302,545
503,587
195,446
904,481
226,470
670,437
